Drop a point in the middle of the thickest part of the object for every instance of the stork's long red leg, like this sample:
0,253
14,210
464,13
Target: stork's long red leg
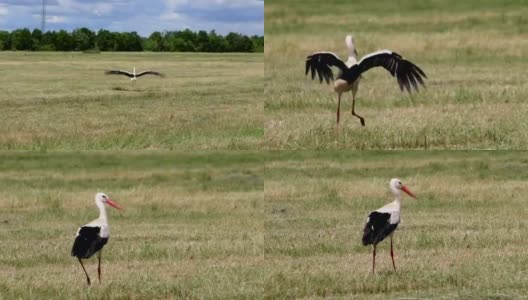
87,277
338,108
392,255
374,258
353,113
99,265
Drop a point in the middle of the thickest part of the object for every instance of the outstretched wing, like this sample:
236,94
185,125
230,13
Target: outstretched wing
149,73
321,62
405,71
119,72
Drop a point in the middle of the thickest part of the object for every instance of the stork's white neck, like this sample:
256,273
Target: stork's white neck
349,41
397,203
102,212
397,197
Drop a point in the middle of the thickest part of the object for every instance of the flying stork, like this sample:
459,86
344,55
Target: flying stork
133,75
383,221
408,74
92,237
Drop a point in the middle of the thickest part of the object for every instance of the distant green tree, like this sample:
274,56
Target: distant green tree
155,42
36,37
105,40
21,39
5,40
239,43
217,43
173,43
258,43
119,41
83,39
64,41
202,41
149,45
131,41
190,39
247,44
48,41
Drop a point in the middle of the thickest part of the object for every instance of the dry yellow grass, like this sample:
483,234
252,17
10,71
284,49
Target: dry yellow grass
191,227
63,101
473,53
463,238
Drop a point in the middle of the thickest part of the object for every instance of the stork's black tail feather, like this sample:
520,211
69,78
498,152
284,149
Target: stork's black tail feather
368,234
377,228
88,242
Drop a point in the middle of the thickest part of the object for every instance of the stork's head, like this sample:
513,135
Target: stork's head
102,198
350,44
396,186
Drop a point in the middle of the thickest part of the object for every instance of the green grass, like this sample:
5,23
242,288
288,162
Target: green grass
192,224
246,225
465,237
63,101
474,53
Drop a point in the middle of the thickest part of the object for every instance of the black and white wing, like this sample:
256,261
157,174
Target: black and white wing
150,73
321,62
87,242
405,71
119,72
378,227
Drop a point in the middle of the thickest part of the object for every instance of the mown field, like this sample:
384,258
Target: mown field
191,228
475,54
63,101
465,237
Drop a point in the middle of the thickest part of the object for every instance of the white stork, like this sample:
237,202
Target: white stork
133,75
92,237
383,221
350,71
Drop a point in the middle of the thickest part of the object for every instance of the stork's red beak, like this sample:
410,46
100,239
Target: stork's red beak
112,203
405,189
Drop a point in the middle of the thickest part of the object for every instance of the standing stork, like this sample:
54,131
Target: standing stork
133,75
383,221
92,237
407,73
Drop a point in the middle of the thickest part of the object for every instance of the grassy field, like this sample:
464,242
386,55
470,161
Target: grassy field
474,52
465,236
63,101
192,225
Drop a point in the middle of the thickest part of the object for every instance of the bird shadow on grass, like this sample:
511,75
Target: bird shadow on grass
122,89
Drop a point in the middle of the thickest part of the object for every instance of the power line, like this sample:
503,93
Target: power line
43,24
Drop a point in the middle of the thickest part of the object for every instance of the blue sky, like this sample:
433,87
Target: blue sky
143,16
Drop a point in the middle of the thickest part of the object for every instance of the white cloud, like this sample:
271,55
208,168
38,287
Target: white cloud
212,4
103,8
93,7
4,11
172,16
56,19
245,16
171,4
143,16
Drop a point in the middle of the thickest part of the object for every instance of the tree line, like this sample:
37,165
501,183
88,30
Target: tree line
83,39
